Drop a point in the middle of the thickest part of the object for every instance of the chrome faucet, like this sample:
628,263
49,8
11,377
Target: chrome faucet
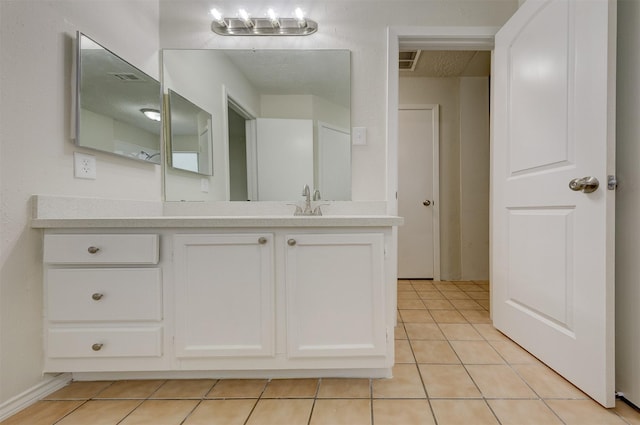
308,210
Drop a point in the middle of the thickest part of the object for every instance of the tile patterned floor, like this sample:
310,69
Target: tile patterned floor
452,367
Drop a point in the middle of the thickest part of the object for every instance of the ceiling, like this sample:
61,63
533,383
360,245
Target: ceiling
447,63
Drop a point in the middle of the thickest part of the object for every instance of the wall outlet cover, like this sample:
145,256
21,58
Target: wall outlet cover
359,135
84,166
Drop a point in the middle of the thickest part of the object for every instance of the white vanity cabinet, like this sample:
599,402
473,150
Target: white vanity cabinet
224,295
220,296
103,302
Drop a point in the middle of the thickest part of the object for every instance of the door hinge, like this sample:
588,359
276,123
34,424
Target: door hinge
612,182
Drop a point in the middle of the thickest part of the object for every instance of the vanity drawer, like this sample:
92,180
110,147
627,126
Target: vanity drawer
101,249
104,342
104,294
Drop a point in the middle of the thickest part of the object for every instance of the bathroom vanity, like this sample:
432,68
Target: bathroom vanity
243,296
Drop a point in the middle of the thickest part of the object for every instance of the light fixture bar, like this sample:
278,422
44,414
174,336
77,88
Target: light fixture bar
244,24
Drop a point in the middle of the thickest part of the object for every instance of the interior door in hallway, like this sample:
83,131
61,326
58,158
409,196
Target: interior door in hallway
552,227
418,238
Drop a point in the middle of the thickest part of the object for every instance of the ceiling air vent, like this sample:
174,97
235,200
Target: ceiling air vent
408,60
126,76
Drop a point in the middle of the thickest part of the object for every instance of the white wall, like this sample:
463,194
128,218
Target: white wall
628,202
474,178
360,26
37,155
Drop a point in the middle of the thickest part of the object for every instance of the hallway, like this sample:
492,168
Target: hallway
452,367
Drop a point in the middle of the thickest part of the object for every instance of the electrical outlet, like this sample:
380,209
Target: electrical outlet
84,166
204,185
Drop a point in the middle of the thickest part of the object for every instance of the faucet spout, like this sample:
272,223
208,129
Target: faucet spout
306,192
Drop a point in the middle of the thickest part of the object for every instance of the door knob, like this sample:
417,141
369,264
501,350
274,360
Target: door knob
585,185
426,203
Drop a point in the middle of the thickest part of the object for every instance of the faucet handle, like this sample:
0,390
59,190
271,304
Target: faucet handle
298,210
316,195
305,190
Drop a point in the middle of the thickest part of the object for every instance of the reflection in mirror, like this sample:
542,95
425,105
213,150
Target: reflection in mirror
281,119
190,136
117,105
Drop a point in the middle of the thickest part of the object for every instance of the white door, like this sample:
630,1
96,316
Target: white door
334,163
284,157
418,238
552,247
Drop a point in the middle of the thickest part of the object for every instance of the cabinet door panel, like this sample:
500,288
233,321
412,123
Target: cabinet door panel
335,295
224,290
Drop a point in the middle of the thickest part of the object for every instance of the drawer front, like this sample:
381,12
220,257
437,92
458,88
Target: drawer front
104,342
101,249
104,295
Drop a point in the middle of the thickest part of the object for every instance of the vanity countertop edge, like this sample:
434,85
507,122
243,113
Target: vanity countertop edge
218,222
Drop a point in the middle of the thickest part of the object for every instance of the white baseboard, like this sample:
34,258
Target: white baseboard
33,394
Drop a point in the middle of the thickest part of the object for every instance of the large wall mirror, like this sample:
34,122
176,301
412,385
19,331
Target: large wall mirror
117,105
280,119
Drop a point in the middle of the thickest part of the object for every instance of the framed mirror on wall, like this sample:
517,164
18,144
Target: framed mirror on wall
117,105
280,120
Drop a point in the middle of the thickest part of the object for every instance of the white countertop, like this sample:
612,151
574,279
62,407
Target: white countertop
50,212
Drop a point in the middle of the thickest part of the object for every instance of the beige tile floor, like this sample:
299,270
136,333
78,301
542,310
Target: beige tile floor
452,367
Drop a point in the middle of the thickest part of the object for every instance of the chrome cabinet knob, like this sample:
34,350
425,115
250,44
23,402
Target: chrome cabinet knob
96,347
97,296
262,240
93,249
291,242
426,203
585,185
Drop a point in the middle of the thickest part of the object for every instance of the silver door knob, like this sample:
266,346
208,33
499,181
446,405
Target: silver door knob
585,185
426,203
96,347
291,242
97,296
93,249
262,240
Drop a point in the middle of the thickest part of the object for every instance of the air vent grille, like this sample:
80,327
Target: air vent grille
408,60
126,76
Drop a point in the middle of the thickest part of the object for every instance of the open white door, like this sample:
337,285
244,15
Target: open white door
552,247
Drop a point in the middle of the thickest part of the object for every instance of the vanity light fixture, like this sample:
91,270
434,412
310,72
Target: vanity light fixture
270,24
152,114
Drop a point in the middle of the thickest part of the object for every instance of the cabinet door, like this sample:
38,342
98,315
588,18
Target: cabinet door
224,289
335,295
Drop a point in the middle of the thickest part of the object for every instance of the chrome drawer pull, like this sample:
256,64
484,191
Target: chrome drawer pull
93,249
97,296
96,347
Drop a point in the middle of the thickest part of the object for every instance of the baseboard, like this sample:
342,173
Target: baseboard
33,394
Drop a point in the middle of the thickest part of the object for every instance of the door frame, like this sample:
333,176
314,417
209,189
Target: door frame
425,38
435,178
229,100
